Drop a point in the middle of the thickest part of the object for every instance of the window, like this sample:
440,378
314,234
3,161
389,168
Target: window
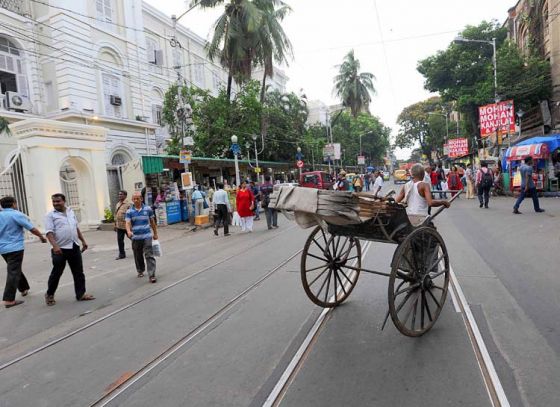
105,13
12,69
154,55
216,81
156,114
112,95
198,69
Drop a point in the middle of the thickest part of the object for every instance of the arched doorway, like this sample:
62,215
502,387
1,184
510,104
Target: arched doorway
69,186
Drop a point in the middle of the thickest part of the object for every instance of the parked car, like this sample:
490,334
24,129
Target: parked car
316,179
400,176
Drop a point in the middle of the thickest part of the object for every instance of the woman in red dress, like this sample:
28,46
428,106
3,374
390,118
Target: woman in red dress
245,201
454,181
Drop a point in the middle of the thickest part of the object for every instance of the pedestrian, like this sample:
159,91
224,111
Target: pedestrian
434,180
470,179
378,184
245,205
12,225
357,183
527,187
367,180
257,204
198,201
270,214
342,184
427,175
140,222
441,179
484,182
120,222
454,181
63,233
222,208
498,181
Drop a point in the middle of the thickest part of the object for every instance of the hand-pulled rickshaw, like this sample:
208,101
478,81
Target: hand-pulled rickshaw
331,260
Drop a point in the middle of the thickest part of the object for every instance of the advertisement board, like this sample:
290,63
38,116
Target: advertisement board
361,160
458,147
497,118
331,151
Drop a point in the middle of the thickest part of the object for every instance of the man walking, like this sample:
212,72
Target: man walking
378,184
527,187
222,207
470,181
12,225
139,219
120,222
63,233
256,193
484,182
271,214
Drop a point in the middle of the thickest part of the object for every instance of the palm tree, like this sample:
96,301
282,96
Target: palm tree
354,88
233,38
271,43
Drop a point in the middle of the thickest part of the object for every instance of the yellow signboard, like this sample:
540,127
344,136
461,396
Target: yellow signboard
258,170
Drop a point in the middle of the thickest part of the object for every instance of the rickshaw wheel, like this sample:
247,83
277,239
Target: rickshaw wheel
419,281
325,275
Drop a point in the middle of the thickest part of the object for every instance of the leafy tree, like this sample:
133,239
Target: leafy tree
375,137
5,127
423,124
354,88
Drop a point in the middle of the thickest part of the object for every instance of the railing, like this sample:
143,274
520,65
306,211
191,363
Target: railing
15,6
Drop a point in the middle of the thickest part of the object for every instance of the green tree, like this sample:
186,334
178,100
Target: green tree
354,88
423,124
5,127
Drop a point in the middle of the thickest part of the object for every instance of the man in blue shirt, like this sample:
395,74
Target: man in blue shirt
266,189
527,186
139,219
12,225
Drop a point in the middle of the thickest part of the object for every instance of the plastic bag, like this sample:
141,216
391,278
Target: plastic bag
236,221
156,248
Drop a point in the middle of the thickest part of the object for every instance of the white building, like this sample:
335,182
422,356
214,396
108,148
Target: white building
278,81
87,78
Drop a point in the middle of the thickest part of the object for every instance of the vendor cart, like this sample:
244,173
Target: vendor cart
331,261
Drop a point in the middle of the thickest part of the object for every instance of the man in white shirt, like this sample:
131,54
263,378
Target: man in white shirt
378,184
222,208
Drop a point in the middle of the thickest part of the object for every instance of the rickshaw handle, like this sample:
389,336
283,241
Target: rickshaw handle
441,208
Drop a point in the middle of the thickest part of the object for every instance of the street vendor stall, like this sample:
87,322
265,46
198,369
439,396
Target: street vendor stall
514,158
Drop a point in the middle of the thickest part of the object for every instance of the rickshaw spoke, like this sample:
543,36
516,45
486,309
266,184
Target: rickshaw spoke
344,245
422,310
323,285
404,276
397,310
347,253
412,307
438,287
319,246
345,276
316,257
407,289
427,306
336,245
434,298
436,275
352,258
319,276
328,285
334,281
399,286
325,264
340,282
415,311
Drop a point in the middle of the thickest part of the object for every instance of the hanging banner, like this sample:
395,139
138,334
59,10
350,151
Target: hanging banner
458,147
361,160
497,118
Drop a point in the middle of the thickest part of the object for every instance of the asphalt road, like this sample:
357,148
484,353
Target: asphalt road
228,314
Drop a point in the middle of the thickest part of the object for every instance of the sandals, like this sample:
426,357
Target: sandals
49,299
153,280
140,275
87,297
18,302
24,293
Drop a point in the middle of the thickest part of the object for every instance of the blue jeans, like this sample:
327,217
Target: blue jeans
532,192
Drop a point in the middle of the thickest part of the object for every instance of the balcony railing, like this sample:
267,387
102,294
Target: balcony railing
15,6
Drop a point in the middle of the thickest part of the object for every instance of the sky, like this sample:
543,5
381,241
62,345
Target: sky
389,37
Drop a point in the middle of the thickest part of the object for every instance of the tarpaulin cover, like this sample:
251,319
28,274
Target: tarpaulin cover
537,151
552,142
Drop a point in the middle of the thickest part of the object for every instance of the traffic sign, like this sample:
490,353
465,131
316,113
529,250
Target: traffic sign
258,170
185,157
299,164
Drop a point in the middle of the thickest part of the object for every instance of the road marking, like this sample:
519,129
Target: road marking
491,379
295,364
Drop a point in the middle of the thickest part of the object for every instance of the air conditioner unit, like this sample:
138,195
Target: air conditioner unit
17,101
115,100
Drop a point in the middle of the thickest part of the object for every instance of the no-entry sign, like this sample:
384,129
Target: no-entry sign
299,164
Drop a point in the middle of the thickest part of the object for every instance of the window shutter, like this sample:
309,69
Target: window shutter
159,57
22,85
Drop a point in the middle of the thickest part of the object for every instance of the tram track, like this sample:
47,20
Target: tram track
188,338
125,307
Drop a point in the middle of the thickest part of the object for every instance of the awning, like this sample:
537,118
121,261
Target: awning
152,164
537,151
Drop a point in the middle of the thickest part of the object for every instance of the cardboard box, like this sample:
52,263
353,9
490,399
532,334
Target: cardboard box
201,220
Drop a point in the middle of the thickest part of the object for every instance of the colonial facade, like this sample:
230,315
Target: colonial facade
87,65
535,23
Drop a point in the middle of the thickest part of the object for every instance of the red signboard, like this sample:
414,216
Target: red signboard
299,164
497,118
458,147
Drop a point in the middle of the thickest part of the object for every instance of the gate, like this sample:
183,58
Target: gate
12,183
69,183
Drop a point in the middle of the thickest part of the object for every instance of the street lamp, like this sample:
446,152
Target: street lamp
235,150
520,114
259,172
459,38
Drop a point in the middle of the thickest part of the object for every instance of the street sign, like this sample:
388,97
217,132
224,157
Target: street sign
185,157
299,164
361,160
258,170
188,141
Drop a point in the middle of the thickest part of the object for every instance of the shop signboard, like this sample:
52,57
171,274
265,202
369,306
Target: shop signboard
497,118
186,180
332,151
361,160
185,157
173,210
458,147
